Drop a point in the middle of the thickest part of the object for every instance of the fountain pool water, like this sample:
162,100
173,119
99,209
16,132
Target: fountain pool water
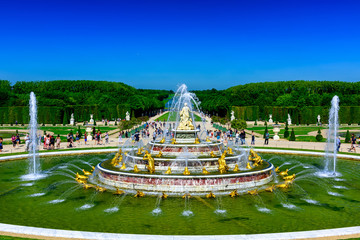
58,201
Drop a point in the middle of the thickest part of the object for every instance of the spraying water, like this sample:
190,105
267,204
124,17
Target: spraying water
332,136
34,165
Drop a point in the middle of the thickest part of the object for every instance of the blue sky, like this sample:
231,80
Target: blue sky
159,44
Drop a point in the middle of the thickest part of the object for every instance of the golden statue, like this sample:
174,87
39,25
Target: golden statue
118,192
210,195
186,171
283,185
173,141
123,167
284,173
139,194
100,189
162,140
88,186
208,139
186,195
185,120
230,151
136,169
151,164
197,140
204,171
288,182
164,195
248,166
277,169
212,154
168,171
92,168
234,194
253,156
270,189
139,152
236,168
253,192
222,163
159,155
290,177
86,173
81,181
146,155
114,159
82,177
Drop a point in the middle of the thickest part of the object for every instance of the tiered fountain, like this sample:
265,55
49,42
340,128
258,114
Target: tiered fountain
183,161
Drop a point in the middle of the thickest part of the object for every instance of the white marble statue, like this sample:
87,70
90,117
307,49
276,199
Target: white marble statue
72,120
289,120
127,116
91,119
270,118
318,118
232,115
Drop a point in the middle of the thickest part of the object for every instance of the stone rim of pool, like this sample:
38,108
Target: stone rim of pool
8,229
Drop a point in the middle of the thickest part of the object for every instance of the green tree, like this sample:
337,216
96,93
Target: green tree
255,124
286,133
292,136
347,137
79,131
238,124
319,137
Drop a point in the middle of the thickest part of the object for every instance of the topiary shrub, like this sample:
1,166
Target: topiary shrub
347,137
292,136
286,133
115,123
105,123
79,131
238,124
255,124
266,129
319,137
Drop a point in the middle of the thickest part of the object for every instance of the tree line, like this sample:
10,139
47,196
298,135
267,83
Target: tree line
297,94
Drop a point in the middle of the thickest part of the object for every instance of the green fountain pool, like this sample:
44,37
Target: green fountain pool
57,201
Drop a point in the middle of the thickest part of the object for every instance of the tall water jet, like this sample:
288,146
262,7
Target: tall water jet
332,135
34,164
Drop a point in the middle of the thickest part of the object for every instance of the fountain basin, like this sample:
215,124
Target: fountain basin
180,184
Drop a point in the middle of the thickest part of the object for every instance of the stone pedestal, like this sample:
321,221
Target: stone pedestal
276,130
89,132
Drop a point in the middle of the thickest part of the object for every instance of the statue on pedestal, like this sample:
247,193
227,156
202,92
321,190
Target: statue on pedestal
270,118
91,119
185,120
232,115
127,116
289,119
72,120
318,120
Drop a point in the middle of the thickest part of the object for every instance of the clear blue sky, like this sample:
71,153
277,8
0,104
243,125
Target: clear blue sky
159,44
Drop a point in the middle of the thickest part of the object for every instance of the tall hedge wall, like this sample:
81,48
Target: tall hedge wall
304,115
250,113
52,114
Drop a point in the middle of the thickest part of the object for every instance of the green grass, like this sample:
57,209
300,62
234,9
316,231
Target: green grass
173,117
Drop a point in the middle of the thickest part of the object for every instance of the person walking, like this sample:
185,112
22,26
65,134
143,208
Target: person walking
27,142
106,138
13,140
85,138
267,136
58,140
338,144
353,143
252,138
1,144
